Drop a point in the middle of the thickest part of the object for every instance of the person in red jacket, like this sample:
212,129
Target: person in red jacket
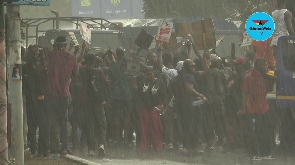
263,49
256,107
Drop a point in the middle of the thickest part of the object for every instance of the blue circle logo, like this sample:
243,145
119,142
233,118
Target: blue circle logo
260,26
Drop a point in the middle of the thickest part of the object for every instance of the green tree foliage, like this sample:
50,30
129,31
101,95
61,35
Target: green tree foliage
227,9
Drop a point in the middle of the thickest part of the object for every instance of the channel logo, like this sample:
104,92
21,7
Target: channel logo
260,26
260,22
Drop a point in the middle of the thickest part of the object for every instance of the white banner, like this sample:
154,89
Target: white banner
85,33
246,40
164,31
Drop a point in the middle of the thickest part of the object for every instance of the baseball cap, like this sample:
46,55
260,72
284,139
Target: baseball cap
240,60
61,40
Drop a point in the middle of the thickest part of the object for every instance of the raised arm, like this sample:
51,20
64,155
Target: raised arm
207,63
71,46
196,52
160,56
83,52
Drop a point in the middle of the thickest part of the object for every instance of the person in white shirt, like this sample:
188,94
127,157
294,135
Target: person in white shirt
283,23
168,73
167,68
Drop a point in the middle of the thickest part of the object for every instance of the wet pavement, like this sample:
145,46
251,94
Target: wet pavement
236,157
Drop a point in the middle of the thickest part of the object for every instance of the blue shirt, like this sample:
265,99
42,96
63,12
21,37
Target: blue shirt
121,84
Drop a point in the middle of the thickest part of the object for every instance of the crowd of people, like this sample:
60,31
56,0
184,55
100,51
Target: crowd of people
159,105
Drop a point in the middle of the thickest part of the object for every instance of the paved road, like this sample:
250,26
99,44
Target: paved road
130,157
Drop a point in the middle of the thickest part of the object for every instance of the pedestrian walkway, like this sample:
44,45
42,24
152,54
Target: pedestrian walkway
130,157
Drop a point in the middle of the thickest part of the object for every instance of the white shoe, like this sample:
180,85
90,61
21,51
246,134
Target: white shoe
256,158
268,158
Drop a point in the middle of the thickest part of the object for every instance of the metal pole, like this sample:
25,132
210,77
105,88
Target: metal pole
27,34
3,97
57,18
15,83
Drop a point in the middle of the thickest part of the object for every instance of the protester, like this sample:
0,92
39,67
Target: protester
177,131
263,49
34,89
233,103
215,87
283,23
256,107
168,73
152,94
184,97
93,110
102,59
61,66
121,100
76,105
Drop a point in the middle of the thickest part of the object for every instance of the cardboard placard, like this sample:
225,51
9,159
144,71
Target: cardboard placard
207,24
203,33
85,33
185,29
73,38
164,31
144,40
204,41
133,67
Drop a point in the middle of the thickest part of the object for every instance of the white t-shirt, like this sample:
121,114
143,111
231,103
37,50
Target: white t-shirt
280,25
169,74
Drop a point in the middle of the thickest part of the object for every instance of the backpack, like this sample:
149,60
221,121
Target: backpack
99,86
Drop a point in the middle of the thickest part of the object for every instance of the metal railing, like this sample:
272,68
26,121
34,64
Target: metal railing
95,23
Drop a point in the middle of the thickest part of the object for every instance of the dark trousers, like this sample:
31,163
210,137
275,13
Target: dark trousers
122,111
288,130
94,117
189,124
135,118
259,138
177,131
231,128
208,124
216,121
34,120
56,109
168,120
76,121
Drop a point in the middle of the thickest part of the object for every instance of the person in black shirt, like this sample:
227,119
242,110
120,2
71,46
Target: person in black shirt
103,63
233,103
185,92
215,88
122,98
152,94
34,89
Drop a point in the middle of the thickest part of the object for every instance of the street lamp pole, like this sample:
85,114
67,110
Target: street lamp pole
14,79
